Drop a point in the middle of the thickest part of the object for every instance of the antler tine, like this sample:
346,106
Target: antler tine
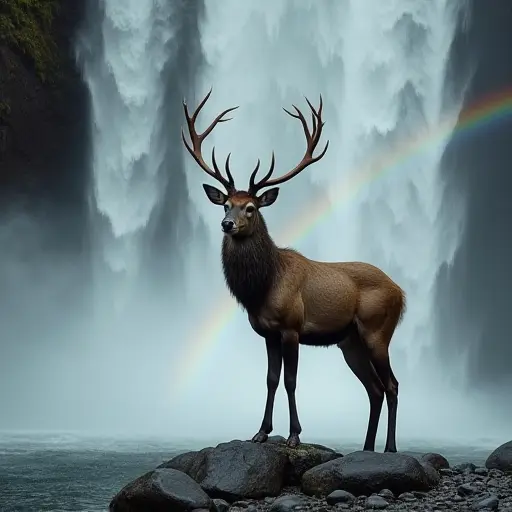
198,138
228,171
312,139
253,187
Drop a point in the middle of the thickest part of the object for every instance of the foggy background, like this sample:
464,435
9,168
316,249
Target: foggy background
114,318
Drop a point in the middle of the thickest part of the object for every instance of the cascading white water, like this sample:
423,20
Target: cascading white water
380,67
127,91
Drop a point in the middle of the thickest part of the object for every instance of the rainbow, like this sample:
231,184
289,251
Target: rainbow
490,110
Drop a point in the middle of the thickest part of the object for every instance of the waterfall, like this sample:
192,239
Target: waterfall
127,85
381,68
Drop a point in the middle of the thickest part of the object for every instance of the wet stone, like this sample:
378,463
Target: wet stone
221,505
407,496
376,502
340,496
467,490
287,503
491,503
386,494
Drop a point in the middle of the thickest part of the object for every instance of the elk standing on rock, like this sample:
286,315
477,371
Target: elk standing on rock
292,300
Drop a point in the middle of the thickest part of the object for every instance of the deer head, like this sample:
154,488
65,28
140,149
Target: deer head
242,207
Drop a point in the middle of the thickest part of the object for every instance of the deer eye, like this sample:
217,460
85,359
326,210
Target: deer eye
250,209
226,208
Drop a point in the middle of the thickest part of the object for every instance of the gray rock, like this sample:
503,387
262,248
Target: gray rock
436,460
467,490
241,469
407,496
432,474
339,496
481,471
221,505
376,502
491,502
287,503
161,490
492,482
366,473
386,494
501,458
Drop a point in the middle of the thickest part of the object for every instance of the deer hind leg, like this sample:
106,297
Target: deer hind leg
378,345
357,358
378,316
275,361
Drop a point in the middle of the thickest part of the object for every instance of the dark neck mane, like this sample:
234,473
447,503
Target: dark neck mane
250,264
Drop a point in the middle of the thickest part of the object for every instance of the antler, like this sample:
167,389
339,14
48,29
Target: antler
198,138
308,159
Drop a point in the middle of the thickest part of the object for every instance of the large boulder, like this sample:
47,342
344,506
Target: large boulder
161,490
245,470
501,458
364,473
238,470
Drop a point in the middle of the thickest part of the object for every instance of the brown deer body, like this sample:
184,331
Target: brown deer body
292,300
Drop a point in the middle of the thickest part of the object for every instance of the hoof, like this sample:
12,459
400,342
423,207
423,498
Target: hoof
293,441
260,437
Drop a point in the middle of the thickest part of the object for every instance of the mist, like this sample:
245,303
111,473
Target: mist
123,326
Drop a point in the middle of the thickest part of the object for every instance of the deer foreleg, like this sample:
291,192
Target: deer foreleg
290,344
275,360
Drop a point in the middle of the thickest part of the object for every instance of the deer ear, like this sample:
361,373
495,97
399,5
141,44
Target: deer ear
215,195
268,197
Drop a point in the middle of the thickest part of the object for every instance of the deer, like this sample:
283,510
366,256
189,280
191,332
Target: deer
291,300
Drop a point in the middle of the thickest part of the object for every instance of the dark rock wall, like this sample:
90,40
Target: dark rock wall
474,292
43,108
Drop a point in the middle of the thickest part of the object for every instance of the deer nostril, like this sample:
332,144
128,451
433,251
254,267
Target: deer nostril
227,225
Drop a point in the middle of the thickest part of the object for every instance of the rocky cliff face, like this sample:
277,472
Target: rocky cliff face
43,102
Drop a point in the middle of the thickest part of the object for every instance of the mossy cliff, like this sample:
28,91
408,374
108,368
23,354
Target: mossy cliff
27,26
43,102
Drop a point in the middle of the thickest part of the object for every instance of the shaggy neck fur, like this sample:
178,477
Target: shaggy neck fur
250,264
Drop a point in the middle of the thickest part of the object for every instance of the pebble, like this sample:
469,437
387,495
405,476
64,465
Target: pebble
376,502
407,496
490,502
221,505
387,494
287,503
467,490
340,496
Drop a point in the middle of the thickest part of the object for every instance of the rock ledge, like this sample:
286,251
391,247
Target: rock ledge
240,476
